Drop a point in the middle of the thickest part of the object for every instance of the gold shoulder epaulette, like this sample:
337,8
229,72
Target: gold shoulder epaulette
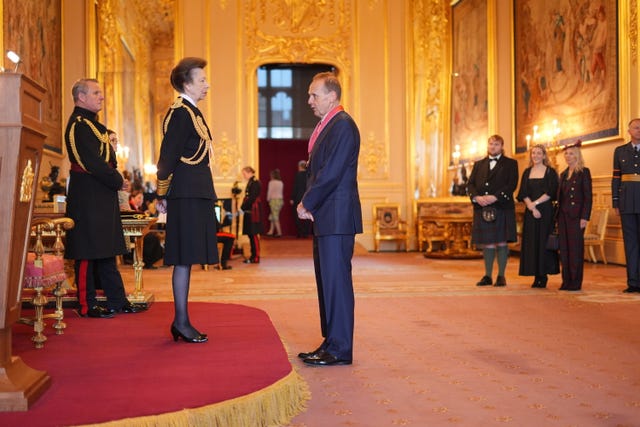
177,103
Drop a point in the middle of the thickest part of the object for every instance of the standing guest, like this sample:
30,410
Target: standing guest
491,185
574,210
538,189
275,199
332,202
184,180
252,218
625,192
299,187
92,202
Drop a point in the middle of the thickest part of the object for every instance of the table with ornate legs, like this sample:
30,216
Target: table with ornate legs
457,237
137,226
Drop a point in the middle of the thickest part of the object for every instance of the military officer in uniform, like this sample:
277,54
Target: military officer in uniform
92,202
625,194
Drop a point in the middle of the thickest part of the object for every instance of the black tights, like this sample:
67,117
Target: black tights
180,283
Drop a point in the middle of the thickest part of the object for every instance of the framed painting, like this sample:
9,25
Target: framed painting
469,92
565,71
34,31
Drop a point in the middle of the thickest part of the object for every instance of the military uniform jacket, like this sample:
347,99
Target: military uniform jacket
575,195
184,154
92,198
501,181
626,194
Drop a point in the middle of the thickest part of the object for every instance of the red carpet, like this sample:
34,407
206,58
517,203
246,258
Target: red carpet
129,366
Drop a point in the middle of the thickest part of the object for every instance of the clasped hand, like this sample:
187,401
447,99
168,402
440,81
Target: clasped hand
161,206
486,200
303,213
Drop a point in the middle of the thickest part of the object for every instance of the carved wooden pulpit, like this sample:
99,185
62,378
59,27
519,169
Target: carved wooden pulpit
21,142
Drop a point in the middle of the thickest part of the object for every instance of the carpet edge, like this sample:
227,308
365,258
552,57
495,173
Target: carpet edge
274,405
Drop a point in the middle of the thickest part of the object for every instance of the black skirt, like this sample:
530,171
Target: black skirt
190,236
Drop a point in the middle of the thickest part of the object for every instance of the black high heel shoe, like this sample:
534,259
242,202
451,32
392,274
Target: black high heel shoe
199,338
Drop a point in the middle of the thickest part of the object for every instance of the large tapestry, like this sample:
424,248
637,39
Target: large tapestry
32,29
566,71
469,106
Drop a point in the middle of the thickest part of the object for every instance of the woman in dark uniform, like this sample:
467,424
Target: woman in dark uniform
184,180
252,219
538,188
574,211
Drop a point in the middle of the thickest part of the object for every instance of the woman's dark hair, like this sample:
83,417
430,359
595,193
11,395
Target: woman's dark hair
181,73
275,174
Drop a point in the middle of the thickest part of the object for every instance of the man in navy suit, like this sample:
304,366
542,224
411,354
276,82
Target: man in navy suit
332,202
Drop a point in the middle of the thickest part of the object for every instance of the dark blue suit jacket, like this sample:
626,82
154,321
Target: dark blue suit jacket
332,187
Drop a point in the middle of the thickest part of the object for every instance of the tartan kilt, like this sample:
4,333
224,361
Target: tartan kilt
503,229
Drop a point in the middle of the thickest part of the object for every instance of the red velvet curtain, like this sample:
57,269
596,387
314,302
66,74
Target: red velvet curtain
283,154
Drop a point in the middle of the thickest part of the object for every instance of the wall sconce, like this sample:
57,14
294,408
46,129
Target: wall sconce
15,58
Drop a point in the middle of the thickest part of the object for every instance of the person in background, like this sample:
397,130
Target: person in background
303,226
92,202
186,184
227,240
252,214
574,211
332,203
625,194
275,199
538,189
491,185
152,248
125,191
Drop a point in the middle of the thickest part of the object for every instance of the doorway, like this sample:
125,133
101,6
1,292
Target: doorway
285,124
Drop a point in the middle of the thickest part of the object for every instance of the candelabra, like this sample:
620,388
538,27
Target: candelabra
548,137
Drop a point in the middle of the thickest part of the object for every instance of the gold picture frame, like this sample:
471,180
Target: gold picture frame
566,73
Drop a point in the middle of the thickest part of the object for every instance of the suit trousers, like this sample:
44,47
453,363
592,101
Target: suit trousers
332,256
631,235
99,273
571,239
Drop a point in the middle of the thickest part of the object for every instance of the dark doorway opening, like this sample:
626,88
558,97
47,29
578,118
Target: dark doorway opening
284,126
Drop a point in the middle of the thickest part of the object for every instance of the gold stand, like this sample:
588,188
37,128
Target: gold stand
137,226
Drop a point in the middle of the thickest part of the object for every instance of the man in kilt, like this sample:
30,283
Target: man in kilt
491,185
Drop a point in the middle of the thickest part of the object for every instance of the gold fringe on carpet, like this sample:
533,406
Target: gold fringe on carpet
272,406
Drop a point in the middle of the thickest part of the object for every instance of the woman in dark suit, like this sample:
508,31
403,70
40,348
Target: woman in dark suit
184,180
252,218
538,188
574,210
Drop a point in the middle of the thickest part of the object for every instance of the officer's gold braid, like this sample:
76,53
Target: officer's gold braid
201,129
102,137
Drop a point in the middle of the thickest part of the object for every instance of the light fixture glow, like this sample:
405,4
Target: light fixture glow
15,58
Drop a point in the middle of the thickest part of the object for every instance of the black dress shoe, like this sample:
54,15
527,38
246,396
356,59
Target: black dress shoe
198,338
501,281
631,289
99,312
324,358
310,354
130,308
226,267
485,281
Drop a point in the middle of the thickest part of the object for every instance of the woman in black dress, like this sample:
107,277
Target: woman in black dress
538,189
184,180
252,217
